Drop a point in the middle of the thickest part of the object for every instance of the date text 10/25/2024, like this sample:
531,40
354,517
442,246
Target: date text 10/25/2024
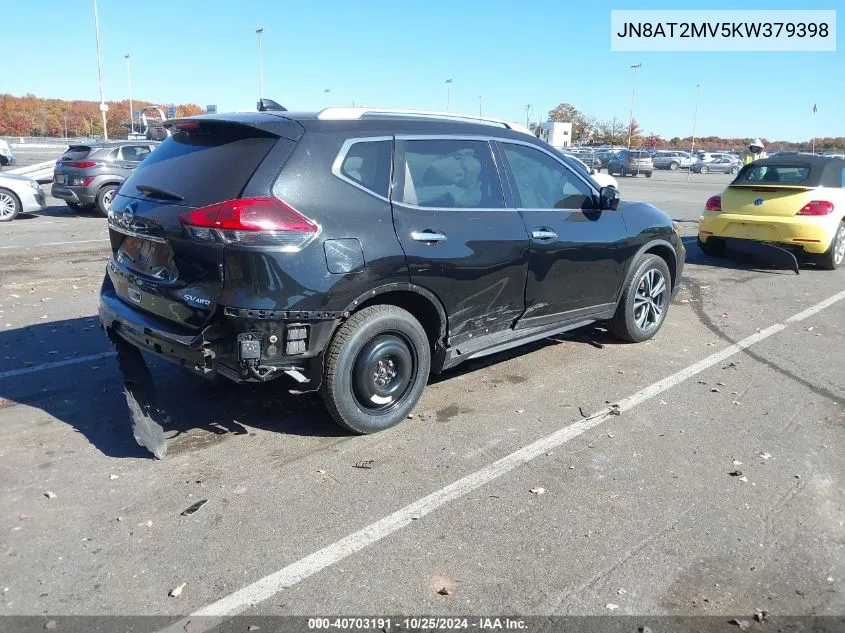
418,623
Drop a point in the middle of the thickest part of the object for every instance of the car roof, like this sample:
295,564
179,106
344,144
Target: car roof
293,124
825,171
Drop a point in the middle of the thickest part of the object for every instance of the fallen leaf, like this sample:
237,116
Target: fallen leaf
610,434
721,384
663,403
810,329
366,464
736,402
114,476
537,491
764,456
736,462
520,410
444,591
252,627
715,390
194,508
743,479
611,607
735,473
621,592
24,517
742,624
321,472
177,591
50,495
50,626
760,615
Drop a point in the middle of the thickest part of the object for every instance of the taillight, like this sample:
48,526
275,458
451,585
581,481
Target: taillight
81,182
714,203
82,164
250,222
817,207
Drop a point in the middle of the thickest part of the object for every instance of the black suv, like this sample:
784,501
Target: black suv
87,176
355,251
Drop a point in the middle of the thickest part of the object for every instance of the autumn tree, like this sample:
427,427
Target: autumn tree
568,113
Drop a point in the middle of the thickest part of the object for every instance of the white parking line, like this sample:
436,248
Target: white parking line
265,588
53,244
54,364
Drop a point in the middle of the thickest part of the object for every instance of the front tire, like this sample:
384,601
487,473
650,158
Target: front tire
645,300
104,199
674,166
10,205
835,255
734,170
376,368
704,170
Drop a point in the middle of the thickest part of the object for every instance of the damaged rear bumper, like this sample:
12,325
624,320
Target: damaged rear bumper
240,346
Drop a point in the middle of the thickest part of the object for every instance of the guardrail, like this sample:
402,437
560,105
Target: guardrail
42,172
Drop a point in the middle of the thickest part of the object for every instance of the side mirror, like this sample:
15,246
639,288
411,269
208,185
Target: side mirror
609,198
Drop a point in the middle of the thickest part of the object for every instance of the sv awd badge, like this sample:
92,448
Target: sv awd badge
197,300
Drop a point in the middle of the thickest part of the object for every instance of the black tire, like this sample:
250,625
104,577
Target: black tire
10,205
648,174
79,207
370,346
734,170
834,256
104,198
644,303
714,247
673,166
704,169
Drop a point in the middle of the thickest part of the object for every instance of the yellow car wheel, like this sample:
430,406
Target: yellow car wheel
835,255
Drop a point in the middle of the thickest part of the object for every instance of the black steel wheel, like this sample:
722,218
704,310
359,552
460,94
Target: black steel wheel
376,368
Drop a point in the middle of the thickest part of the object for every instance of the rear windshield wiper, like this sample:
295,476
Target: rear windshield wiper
156,192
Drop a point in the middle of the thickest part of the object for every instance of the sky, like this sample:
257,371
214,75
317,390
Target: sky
399,53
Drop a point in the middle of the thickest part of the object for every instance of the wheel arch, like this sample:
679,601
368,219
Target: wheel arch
417,300
14,195
664,250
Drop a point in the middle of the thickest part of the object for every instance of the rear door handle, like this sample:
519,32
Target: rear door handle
543,234
428,236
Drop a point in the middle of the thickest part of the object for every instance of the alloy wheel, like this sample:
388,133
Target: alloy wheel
7,205
650,300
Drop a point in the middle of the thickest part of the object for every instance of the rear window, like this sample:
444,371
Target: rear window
776,173
76,152
210,163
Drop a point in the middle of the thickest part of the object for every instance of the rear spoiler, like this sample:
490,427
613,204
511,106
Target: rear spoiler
269,122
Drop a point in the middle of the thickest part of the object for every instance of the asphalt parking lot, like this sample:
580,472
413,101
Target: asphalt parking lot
717,490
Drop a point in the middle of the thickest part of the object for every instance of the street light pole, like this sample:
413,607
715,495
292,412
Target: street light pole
260,32
528,115
103,107
694,122
479,105
131,111
634,68
448,95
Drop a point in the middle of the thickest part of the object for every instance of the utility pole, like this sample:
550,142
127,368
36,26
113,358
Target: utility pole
528,115
479,105
103,105
260,32
613,133
634,68
448,95
694,121
131,111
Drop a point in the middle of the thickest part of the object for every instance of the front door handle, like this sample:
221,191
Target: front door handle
428,236
543,234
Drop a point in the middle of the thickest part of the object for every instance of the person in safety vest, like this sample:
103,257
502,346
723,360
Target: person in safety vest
755,151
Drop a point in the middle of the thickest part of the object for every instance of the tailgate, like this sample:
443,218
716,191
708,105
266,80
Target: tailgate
156,266
765,200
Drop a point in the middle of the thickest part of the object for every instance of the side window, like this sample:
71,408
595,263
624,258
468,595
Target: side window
544,183
368,164
452,174
134,153
843,177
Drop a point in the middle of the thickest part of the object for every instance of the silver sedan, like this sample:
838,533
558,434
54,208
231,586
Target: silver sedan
19,194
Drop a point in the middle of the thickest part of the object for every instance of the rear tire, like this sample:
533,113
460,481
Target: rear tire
376,368
714,247
648,174
835,255
674,166
645,300
104,199
704,170
10,205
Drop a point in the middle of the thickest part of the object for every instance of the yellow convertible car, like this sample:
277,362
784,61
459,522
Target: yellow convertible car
796,203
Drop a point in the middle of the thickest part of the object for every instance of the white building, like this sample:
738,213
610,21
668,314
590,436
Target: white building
555,134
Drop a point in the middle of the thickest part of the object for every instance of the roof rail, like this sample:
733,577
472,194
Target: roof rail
336,113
